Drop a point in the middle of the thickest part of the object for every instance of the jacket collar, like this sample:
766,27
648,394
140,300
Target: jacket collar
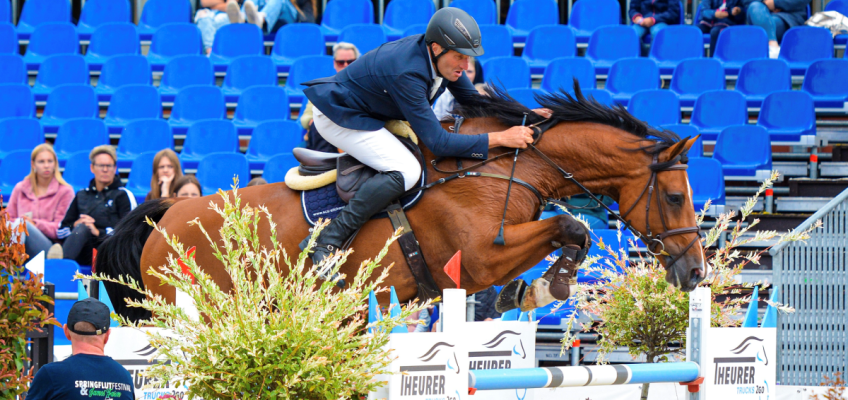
116,184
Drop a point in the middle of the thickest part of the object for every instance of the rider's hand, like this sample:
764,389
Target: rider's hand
516,137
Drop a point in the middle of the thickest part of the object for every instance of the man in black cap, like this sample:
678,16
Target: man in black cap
88,373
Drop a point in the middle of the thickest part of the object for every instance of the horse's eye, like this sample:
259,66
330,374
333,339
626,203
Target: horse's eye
675,199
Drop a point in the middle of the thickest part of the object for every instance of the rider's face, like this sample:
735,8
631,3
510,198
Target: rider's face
452,64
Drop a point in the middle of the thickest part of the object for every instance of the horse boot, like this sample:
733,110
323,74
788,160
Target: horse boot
372,197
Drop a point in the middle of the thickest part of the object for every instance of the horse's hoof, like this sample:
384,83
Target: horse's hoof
510,296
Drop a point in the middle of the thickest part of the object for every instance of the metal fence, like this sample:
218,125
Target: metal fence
813,278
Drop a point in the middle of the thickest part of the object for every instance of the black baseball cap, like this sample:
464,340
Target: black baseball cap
92,311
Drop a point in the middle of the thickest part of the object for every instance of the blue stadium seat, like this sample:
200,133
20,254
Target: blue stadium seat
59,70
78,170
247,71
235,40
706,178
684,131
801,45
95,13
630,75
67,102
496,41
276,167
297,40
270,138
5,11
743,150
716,110
195,103
758,78
306,69
840,6
143,136
49,39
184,71
560,73
38,12
260,103
548,42
655,106
79,134
417,29
600,95
401,14
8,38
14,167
130,103
19,134
206,137
483,11
16,100
674,44
160,12
587,17
696,76
141,173
365,37
788,115
527,97
738,44
12,69
507,72
172,40
216,171
120,71
341,13
112,39
609,44
524,15
827,82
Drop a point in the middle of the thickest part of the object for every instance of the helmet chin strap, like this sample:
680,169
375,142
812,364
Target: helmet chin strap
436,58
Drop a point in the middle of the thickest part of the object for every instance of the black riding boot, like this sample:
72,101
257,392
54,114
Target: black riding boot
372,197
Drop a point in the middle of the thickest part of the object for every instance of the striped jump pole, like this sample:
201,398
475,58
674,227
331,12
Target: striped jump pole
601,375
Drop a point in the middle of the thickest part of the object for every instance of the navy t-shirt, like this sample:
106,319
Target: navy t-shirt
82,376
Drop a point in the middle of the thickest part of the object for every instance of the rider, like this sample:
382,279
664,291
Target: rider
400,80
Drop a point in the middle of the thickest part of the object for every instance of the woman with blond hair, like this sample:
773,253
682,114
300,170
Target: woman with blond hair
40,200
166,171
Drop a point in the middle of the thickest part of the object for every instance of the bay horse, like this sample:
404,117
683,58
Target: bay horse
606,149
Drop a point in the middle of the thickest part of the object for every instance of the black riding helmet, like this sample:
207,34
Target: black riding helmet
453,29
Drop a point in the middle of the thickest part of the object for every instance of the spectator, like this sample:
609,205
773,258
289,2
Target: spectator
444,104
187,186
653,15
717,15
40,200
166,171
88,373
344,54
257,181
94,211
776,17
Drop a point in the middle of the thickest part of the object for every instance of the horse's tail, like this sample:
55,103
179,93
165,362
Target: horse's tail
120,255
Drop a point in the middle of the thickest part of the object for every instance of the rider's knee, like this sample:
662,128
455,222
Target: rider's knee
411,171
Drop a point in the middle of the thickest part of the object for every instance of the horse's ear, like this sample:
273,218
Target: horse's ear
681,147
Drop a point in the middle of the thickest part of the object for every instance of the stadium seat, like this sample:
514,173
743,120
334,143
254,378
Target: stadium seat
12,69
67,102
14,167
417,29
743,150
341,13
401,14
527,97
79,134
8,39
184,71
141,173
49,39
19,134
78,170
206,137
716,110
39,12
758,78
95,13
587,17
600,95
696,76
112,39
630,75
260,103
120,71
160,12
840,6
270,138
507,72
306,69
5,11
59,70
827,82
142,136
296,40
524,15
247,71
130,103
560,74
706,179
655,106
216,171
788,115
234,40
674,44
684,131
738,44
172,40
195,103
16,100
545,43
365,37
483,11
609,44
496,41
801,45
276,167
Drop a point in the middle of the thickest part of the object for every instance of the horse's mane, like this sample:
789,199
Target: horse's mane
566,108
